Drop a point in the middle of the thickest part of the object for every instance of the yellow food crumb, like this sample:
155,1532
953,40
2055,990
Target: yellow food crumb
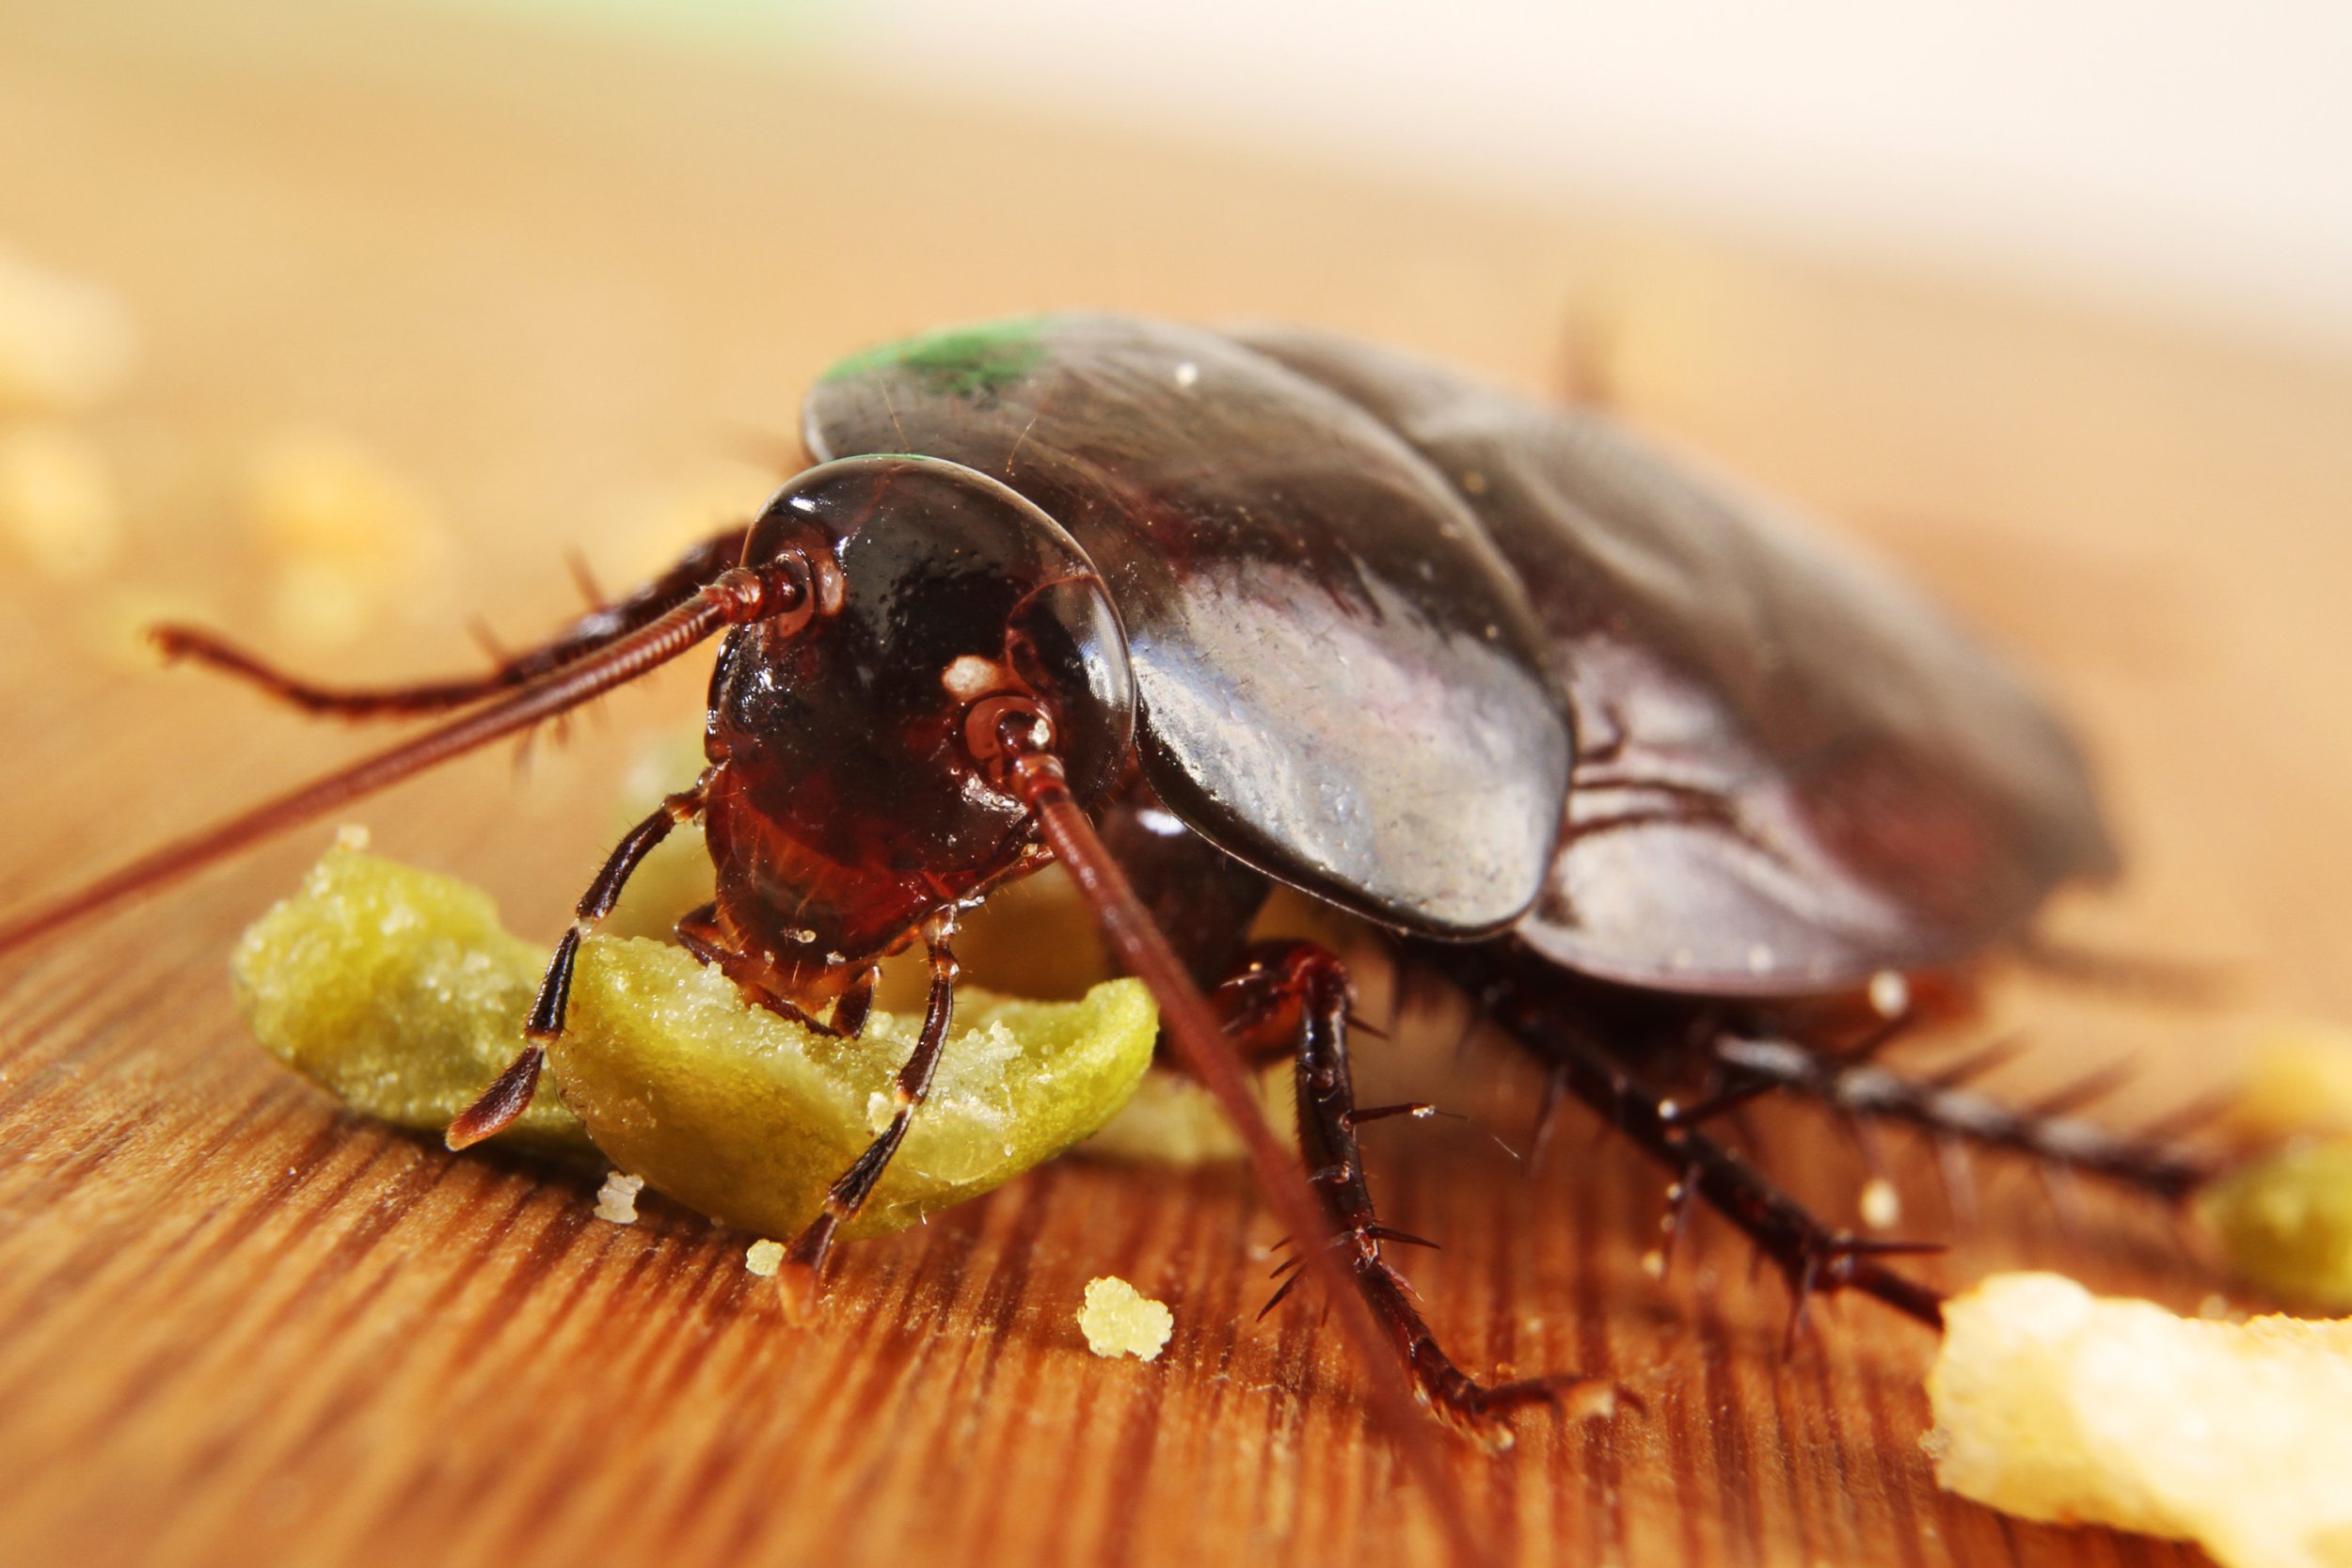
1119,1320
66,344
2298,1082
2056,1405
764,1258
616,1200
58,505
345,535
2286,1223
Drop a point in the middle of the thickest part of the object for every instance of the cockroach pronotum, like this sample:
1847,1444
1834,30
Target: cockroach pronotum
1671,788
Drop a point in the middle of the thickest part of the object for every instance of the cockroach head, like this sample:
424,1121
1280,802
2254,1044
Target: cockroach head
862,780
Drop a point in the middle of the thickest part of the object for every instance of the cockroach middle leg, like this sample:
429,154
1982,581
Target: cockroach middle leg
510,1095
695,570
1297,993
802,1270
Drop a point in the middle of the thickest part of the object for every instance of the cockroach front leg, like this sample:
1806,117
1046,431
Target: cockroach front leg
1296,994
511,1095
694,570
802,1270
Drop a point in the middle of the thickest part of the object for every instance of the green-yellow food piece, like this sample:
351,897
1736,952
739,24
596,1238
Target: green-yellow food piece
749,1118
398,990
398,993
2286,1223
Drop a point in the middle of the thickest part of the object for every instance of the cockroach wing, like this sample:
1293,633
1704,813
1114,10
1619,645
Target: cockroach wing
1341,681
1793,770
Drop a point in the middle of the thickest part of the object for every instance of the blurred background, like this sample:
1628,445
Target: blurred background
2179,155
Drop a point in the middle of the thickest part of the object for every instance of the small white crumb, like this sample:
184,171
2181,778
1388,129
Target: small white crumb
1188,373
616,1200
352,836
1653,1263
1882,1206
880,1111
1890,993
1118,1319
764,1258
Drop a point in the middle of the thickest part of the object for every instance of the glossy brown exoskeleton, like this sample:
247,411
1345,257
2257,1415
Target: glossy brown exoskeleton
1675,790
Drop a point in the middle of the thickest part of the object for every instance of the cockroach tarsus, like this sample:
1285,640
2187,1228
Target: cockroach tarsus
1662,782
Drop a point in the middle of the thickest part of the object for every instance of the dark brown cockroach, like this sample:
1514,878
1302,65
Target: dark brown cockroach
1668,786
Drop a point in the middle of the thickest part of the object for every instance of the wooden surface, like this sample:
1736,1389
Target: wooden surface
551,287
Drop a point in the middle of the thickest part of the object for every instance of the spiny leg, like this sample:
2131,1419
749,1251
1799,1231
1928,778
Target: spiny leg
1542,1011
511,1095
1943,1105
1298,992
696,569
804,1265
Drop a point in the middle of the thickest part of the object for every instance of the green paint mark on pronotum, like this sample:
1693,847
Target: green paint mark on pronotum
959,361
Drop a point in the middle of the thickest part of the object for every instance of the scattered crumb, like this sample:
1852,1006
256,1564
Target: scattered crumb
57,508
66,344
1881,1205
764,1258
1653,1263
2059,1406
353,836
345,537
1118,1319
616,1200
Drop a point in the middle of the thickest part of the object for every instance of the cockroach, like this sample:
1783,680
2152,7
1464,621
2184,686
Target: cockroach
1658,778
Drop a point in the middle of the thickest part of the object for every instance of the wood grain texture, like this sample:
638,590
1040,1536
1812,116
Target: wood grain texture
548,285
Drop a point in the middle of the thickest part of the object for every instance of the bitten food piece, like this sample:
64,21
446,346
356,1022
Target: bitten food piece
399,991
1119,1320
2059,1406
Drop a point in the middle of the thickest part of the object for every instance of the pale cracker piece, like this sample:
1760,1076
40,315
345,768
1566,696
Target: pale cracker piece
2056,1405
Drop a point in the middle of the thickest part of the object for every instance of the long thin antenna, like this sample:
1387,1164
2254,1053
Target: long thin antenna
1211,1058
740,594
